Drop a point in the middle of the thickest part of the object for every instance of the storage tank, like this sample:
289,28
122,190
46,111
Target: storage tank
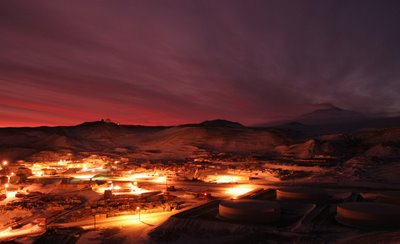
391,197
250,211
302,194
368,214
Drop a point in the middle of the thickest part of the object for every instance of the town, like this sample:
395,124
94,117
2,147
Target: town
98,192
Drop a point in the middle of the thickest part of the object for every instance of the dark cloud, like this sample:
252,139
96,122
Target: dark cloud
168,62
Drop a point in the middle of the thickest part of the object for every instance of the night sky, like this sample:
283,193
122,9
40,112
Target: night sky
171,62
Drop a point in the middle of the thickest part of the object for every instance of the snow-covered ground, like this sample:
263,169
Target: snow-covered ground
24,231
7,216
129,228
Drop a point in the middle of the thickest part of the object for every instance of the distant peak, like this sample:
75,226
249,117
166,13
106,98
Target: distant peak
109,121
99,122
329,110
335,108
328,107
294,123
220,123
332,110
330,115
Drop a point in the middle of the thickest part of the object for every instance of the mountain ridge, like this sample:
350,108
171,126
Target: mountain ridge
333,120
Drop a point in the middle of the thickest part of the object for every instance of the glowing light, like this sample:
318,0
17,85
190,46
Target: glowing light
37,173
224,178
11,194
237,191
144,177
83,176
160,179
140,176
5,163
84,168
134,190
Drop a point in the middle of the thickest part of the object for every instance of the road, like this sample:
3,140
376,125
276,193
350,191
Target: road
149,219
8,234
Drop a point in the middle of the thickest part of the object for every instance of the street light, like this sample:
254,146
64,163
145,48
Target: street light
94,221
138,208
9,176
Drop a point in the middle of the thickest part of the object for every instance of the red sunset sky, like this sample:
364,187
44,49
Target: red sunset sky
172,62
